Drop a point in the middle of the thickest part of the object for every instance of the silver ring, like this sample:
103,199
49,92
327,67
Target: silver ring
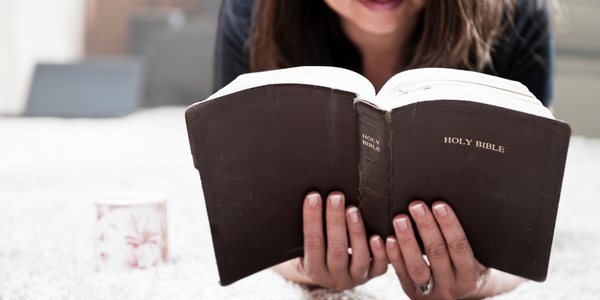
426,287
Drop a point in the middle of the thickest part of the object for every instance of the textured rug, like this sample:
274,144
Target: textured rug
51,169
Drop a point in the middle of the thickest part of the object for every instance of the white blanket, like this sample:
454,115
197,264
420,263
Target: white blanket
51,169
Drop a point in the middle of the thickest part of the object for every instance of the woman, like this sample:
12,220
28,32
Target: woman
379,38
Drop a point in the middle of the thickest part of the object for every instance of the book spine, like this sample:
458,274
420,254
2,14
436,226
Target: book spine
375,168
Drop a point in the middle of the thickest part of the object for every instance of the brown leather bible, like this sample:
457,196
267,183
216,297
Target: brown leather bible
483,144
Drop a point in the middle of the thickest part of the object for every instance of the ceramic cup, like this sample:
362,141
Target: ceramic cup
131,231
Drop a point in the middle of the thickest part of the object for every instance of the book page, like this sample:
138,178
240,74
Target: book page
429,84
331,77
424,84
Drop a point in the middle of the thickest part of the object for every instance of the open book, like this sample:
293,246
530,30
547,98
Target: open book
483,144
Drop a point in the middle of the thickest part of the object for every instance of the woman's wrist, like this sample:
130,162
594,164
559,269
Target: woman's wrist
496,283
289,270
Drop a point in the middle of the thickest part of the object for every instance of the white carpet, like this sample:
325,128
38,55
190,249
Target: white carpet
50,169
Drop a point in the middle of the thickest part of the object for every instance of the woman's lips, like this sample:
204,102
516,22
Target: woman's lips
381,5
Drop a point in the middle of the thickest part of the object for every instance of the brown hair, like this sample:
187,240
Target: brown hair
452,33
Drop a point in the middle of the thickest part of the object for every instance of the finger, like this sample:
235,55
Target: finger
314,241
361,260
458,246
434,244
413,258
379,263
337,240
394,254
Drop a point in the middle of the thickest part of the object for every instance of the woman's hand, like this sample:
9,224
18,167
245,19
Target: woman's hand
453,270
331,265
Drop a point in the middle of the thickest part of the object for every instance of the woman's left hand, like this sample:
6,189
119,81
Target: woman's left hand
453,270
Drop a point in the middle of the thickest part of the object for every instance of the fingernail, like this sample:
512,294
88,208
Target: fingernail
377,241
353,213
401,224
336,201
440,209
390,243
418,210
313,200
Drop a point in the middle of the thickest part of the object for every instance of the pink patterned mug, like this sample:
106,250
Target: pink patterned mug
131,231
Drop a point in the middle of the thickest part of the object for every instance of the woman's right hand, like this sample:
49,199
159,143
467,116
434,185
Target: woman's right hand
331,265
452,271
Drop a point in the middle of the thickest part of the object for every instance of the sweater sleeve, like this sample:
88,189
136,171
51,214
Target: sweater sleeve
232,45
526,53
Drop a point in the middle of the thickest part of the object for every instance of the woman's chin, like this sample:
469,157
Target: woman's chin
381,27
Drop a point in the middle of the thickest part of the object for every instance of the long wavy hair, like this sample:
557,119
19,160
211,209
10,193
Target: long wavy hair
451,33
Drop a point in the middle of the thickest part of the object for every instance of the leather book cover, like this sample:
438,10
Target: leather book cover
500,170
259,152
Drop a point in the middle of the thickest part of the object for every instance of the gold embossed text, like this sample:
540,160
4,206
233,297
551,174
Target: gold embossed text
470,142
370,142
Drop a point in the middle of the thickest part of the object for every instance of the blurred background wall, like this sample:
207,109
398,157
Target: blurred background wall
32,31
107,21
176,40
578,67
